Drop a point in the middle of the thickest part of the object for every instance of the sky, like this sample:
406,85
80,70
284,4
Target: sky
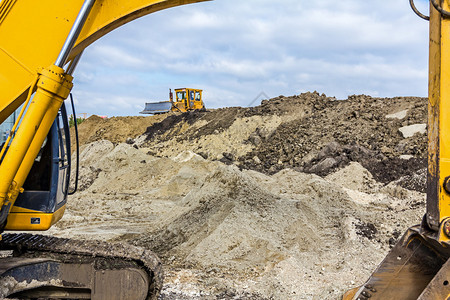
235,50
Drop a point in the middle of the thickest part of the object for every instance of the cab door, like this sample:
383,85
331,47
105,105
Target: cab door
43,200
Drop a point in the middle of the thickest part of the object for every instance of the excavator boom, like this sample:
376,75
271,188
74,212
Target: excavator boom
32,33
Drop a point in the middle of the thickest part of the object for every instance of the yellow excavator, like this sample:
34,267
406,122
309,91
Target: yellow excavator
418,266
40,45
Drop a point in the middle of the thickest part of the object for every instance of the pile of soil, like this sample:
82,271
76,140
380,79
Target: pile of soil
298,198
115,129
333,133
224,231
310,133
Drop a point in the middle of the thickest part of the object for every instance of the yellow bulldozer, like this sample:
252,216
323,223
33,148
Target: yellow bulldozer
418,267
186,99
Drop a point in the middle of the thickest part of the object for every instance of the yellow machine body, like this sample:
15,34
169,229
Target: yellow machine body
33,32
187,99
20,219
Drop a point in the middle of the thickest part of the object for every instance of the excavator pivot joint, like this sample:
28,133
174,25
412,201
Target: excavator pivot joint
446,228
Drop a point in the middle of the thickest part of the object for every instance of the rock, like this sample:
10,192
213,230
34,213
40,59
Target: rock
398,115
256,159
386,150
409,131
255,139
324,166
228,156
406,157
330,149
416,181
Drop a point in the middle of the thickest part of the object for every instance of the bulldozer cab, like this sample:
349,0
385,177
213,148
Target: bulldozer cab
188,99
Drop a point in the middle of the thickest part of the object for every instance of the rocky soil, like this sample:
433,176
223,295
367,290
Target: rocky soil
297,198
115,129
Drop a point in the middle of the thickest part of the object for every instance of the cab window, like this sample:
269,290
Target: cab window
181,95
198,96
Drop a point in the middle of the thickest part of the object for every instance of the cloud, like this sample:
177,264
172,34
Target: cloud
236,49
114,56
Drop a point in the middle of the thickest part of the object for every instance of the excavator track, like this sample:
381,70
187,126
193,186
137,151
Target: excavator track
46,267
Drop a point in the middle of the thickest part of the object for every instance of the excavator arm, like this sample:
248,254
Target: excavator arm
418,266
40,44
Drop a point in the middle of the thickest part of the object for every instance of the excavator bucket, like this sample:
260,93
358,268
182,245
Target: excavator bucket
416,268
157,107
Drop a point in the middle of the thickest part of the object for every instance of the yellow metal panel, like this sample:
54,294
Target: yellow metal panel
433,119
107,15
32,34
444,203
22,220
438,200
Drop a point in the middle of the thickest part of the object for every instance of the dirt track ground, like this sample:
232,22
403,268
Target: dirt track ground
298,198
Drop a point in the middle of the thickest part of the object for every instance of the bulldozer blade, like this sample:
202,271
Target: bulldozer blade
416,268
157,107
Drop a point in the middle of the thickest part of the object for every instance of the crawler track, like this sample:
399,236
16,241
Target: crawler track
79,267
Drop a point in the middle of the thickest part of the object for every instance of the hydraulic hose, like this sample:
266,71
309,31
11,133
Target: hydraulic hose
414,8
77,167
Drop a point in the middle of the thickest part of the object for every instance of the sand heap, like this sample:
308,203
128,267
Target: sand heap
225,232
298,198
310,133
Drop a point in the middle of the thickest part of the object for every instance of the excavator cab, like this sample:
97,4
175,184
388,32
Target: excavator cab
42,202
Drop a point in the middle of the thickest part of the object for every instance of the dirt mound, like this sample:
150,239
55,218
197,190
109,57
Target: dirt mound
358,126
223,231
115,129
308,132
257,203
